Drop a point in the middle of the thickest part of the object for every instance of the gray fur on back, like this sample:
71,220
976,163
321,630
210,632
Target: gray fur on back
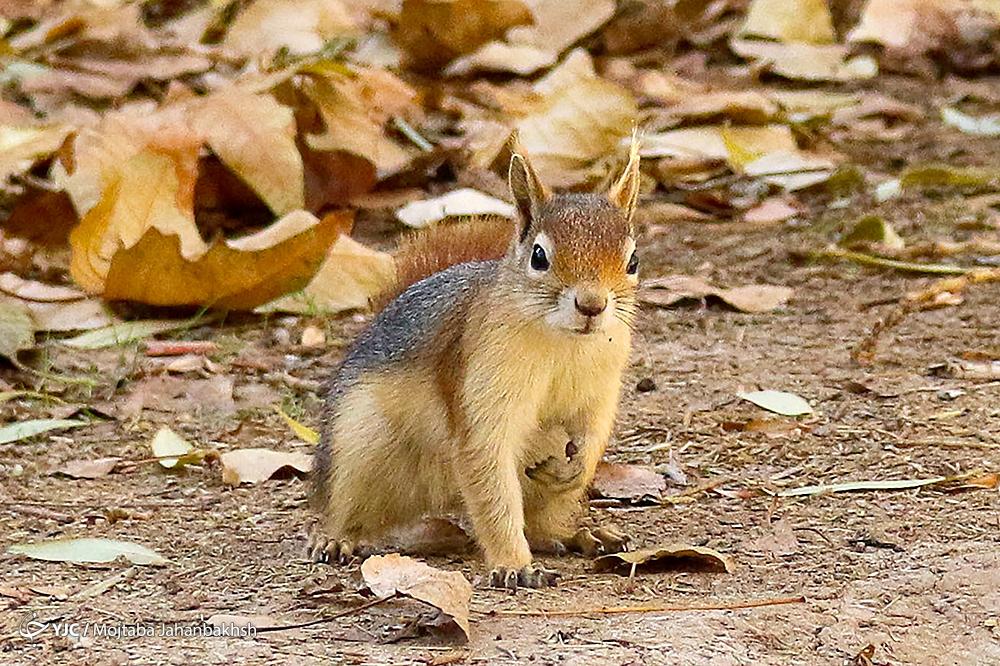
405,328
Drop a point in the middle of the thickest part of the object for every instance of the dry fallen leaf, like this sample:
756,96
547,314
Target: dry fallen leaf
790,21
558,24
255,137
580,118
88,469
17,329
22,146
433,32
466,201
88,550
300,26
628,482
670,289
15,432
806,62
235,274
671,557
352,124
256,465
168,443
448,591
350,276
855,486
779,402
54,307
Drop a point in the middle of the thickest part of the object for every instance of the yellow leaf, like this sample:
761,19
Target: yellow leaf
236,274
349,278
349,125
255,137
303,432
790,21
152,190
580,119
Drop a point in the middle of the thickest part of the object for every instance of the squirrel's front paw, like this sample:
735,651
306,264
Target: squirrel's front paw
599,541
533,575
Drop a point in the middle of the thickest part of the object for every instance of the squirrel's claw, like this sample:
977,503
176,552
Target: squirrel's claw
599,541
533,576
321,548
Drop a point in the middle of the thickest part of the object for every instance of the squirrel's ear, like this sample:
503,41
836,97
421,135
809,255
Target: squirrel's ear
625,192
527,189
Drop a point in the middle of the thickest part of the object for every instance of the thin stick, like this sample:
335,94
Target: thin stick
658,608
335,616
882,262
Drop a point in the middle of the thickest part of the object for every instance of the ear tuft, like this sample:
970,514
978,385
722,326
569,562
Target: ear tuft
625,192
525,187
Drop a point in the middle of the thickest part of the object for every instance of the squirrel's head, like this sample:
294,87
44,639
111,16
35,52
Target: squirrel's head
574,255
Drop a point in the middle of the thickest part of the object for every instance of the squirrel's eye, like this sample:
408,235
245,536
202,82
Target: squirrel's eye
633,264
539,261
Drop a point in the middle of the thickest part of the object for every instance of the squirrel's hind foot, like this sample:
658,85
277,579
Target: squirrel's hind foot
533,576
321,548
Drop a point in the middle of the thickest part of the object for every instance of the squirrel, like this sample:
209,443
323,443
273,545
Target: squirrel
488,383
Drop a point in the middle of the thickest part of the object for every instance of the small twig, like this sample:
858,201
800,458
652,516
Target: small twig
657,608
864,352
335,616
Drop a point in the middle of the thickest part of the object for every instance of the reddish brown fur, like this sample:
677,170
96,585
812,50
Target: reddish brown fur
434,250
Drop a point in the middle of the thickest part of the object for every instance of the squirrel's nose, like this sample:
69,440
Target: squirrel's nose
590,304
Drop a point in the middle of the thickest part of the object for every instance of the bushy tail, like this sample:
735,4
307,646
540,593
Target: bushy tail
428,252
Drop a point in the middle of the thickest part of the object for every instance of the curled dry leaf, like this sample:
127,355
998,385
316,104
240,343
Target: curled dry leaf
256,465
557,25
255,137
433,32
716,142
233,274
300,26
579,119
671,557
779,402
53,307
973,370
350,276
911,28
628,482
670,289
466,201
88,469
22,146
81,551
448,591
351,122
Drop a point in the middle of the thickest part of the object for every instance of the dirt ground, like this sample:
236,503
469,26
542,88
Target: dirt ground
914,573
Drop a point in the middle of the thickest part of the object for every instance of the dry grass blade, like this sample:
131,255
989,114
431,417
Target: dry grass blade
864,351
657,608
